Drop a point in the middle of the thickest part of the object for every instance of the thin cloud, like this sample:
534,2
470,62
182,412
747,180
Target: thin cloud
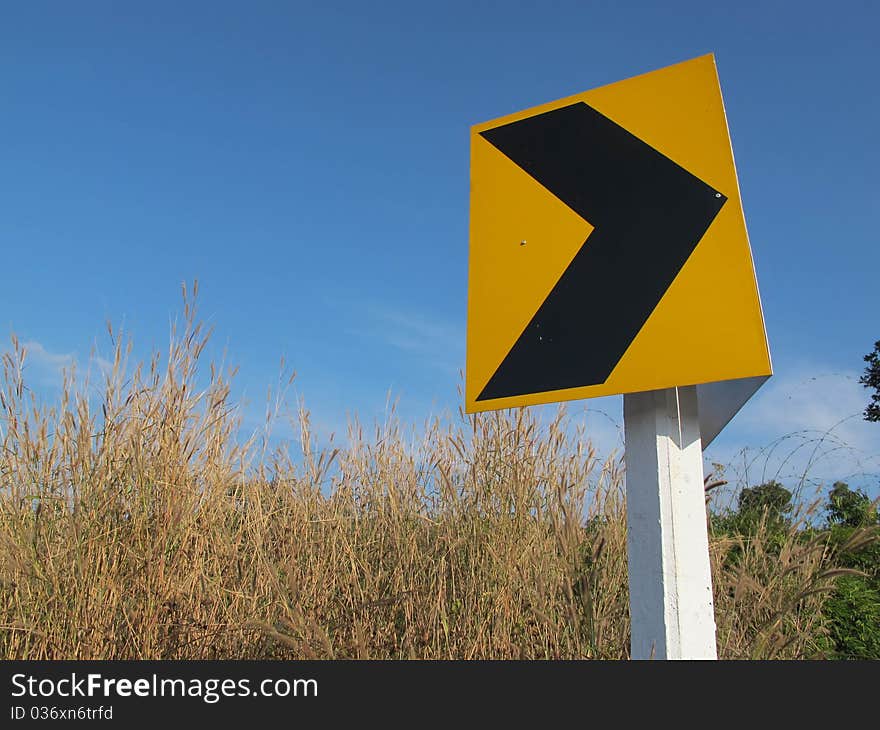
46,368
437,342
38,354
803,429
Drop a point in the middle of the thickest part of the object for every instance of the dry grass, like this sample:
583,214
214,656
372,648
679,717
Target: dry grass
145,529
769,591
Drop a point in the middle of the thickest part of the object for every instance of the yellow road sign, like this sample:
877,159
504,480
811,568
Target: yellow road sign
608,247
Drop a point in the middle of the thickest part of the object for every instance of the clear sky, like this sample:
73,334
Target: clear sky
308,163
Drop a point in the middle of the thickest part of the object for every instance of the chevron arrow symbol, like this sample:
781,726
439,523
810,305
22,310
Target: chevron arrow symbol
648,215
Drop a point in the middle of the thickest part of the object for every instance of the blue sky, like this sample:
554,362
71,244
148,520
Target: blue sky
308,164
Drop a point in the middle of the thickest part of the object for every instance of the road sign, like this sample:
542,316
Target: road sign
609,253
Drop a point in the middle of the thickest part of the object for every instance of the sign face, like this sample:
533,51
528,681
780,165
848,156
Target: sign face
608,248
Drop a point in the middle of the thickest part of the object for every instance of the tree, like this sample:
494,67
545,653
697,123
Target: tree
764,505
852,611
851,508
770,497
871,379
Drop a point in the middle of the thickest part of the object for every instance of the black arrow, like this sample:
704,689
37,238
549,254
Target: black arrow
648,214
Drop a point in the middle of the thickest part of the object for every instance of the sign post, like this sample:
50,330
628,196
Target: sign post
609,255
670,582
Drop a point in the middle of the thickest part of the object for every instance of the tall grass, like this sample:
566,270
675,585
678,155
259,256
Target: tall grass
144,527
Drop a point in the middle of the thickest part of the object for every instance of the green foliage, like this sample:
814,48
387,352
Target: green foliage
770,497
853,614
851,536
852,611
850,508
854,530
762,508
871,379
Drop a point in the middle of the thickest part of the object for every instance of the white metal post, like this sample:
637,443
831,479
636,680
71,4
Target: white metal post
670,582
